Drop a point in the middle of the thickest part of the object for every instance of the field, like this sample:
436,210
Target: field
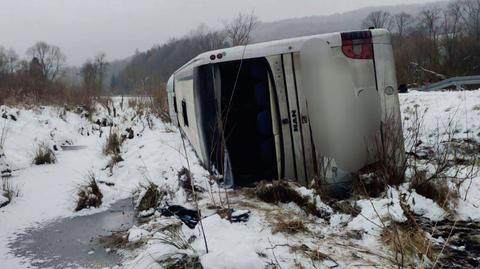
67,164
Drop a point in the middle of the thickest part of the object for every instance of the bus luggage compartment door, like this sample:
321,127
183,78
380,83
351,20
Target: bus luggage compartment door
298,154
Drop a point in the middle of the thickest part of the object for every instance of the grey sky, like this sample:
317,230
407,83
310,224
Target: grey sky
83,28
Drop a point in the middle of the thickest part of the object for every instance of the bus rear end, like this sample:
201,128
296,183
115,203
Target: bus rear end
351,90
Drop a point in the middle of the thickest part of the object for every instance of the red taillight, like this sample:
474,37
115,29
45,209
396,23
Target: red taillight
357,45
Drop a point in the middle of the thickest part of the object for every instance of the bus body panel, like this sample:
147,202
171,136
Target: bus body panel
328,111
288,167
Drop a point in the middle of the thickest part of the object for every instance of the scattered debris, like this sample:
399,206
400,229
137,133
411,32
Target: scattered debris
240,215
188,216
128,133
107,183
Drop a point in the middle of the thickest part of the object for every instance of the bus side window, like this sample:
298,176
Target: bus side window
184,113
175,108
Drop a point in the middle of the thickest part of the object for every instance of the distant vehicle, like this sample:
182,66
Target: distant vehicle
300,108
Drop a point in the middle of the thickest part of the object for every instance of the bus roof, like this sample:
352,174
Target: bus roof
266,49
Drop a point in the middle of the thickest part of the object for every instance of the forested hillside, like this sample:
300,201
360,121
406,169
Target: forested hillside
153,67
157,64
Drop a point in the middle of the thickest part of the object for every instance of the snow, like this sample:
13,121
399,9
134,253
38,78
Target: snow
443,111
3,200
425,207
156,154
136,234
375,211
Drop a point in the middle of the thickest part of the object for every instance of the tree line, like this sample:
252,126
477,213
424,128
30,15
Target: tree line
40,78
41,75
431,45
152,68
434,44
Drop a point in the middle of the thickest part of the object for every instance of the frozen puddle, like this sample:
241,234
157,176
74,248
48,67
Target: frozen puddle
72,242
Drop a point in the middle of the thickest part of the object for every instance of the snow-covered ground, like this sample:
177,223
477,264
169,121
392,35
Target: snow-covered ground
156,154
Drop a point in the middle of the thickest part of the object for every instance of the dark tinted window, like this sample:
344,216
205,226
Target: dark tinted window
184,113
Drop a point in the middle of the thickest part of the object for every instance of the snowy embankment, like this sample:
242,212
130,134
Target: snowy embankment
284,235
49,192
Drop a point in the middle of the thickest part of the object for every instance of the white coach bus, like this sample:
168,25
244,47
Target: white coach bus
301,109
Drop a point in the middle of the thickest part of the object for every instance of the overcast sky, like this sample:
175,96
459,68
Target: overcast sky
83,28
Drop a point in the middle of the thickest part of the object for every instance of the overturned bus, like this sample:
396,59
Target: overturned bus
304,108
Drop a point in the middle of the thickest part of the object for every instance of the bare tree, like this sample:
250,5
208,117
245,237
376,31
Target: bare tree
50,58
402,22
430,22
101,66
3,60
378,19
470,13
238,30
11,61
93,74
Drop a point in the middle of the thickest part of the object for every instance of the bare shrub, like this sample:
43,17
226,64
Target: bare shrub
44,155
89,194
282,191
112,145
442,160
158,104
390,168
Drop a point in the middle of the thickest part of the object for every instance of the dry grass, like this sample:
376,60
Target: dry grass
180,260
408,243
9,190
112,145
282,191
114,160
436,189
44,155
185,180
119,240
150,196
346,207
289,226
89,194
176,238
315,255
